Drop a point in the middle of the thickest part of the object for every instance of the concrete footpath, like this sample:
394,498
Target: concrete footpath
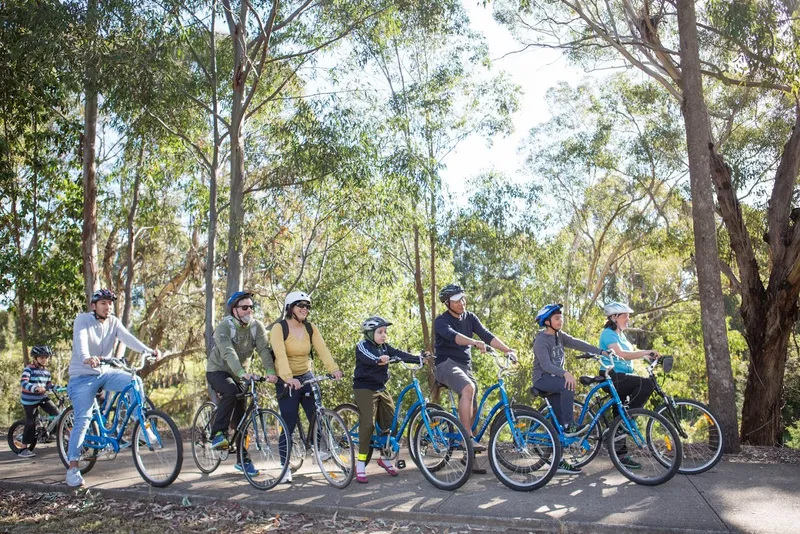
732,497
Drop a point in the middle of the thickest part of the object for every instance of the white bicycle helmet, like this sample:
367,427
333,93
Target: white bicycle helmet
294,297
614,308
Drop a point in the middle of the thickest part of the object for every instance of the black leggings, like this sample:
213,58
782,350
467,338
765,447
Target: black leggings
31,411
289,406
636,388
228,405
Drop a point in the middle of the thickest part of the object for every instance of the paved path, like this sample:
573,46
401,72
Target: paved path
730,498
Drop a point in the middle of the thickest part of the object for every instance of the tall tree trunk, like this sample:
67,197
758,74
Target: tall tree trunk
423,317
235,237
762,423
22,313
712,311
211,252
432,242
89,235
129,267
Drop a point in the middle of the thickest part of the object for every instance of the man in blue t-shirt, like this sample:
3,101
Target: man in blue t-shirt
453,338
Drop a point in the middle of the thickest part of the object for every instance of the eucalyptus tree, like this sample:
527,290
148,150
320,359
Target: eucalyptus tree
747,61
428,79
40,200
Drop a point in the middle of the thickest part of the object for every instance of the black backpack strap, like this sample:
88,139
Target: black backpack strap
285,327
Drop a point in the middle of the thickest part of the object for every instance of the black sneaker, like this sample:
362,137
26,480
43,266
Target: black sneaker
475,469
566,468
630,463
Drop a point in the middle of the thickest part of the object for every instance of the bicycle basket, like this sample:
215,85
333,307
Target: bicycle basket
666,363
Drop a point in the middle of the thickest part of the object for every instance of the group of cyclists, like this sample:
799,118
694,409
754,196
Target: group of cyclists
285,350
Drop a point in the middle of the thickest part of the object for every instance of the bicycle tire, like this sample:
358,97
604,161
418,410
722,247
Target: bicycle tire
531,457
205,458
162,438
659,435
297,452
349,413
64,429
575,453
15,432
260,439
413,424
333,448
700,432
444,448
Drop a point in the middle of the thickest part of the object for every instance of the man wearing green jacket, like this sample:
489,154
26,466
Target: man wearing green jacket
236,338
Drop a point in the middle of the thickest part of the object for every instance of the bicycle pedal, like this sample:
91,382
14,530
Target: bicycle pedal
401,464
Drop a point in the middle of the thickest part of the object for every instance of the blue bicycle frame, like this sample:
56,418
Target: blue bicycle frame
111,438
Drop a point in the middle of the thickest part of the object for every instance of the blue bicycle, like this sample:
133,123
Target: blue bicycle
524,450
643,445
436,439
155,440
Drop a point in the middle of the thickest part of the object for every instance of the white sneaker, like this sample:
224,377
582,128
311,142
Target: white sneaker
74,478
26,453
287,478
324,456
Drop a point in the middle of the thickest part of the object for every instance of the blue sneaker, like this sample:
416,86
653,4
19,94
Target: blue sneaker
248,466
220,441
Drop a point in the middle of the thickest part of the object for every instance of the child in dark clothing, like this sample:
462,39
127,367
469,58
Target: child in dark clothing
35,383
369,388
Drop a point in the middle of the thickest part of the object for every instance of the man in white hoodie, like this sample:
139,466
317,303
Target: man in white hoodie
93,337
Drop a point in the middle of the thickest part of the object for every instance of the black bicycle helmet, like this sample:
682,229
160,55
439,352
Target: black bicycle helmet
41,351
449,291
103,294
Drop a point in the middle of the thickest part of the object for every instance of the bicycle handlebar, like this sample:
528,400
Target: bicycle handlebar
409,366
146,356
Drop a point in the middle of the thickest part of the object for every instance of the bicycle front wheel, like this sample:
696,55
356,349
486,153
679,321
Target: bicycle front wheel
413,425
700,432
15,432
650,452
260,443
157,449
206,458
524,453
88,454
444,450
349,414
333,448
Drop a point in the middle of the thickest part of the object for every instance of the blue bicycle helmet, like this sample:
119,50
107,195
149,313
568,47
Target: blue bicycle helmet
546,312
236,297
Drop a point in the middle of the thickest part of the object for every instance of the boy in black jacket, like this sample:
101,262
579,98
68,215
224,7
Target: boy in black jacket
369,388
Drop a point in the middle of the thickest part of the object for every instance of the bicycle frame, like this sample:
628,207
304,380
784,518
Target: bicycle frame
380,440
111,439
615,400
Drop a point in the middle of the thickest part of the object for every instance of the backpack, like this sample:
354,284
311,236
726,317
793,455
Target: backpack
213,342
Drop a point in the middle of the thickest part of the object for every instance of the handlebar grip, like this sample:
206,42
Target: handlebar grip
585,356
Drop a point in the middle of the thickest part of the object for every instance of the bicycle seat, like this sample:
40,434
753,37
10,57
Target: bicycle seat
589,380
539,393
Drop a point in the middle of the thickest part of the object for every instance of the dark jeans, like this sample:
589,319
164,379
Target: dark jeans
562,398
228,405
31,412
289,406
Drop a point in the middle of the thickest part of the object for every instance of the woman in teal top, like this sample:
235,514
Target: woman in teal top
628,384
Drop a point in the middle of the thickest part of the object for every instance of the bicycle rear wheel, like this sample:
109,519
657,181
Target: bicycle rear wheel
157,449
333,448
15,432
297,454
260,441
524,454
88,454
580,453
700,432
444,450
650,453
206,458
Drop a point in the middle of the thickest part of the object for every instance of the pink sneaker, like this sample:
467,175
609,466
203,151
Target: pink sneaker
361,478
389,468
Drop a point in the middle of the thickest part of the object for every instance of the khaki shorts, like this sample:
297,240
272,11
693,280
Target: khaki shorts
456,376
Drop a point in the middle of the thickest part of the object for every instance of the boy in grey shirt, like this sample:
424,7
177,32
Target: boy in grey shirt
549,374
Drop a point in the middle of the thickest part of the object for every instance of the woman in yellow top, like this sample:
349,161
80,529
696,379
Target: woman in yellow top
293,363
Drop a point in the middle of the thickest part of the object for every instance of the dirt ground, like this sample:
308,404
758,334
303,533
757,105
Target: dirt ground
27,512
764,455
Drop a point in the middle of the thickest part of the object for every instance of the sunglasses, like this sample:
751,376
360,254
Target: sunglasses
304,305
246,307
